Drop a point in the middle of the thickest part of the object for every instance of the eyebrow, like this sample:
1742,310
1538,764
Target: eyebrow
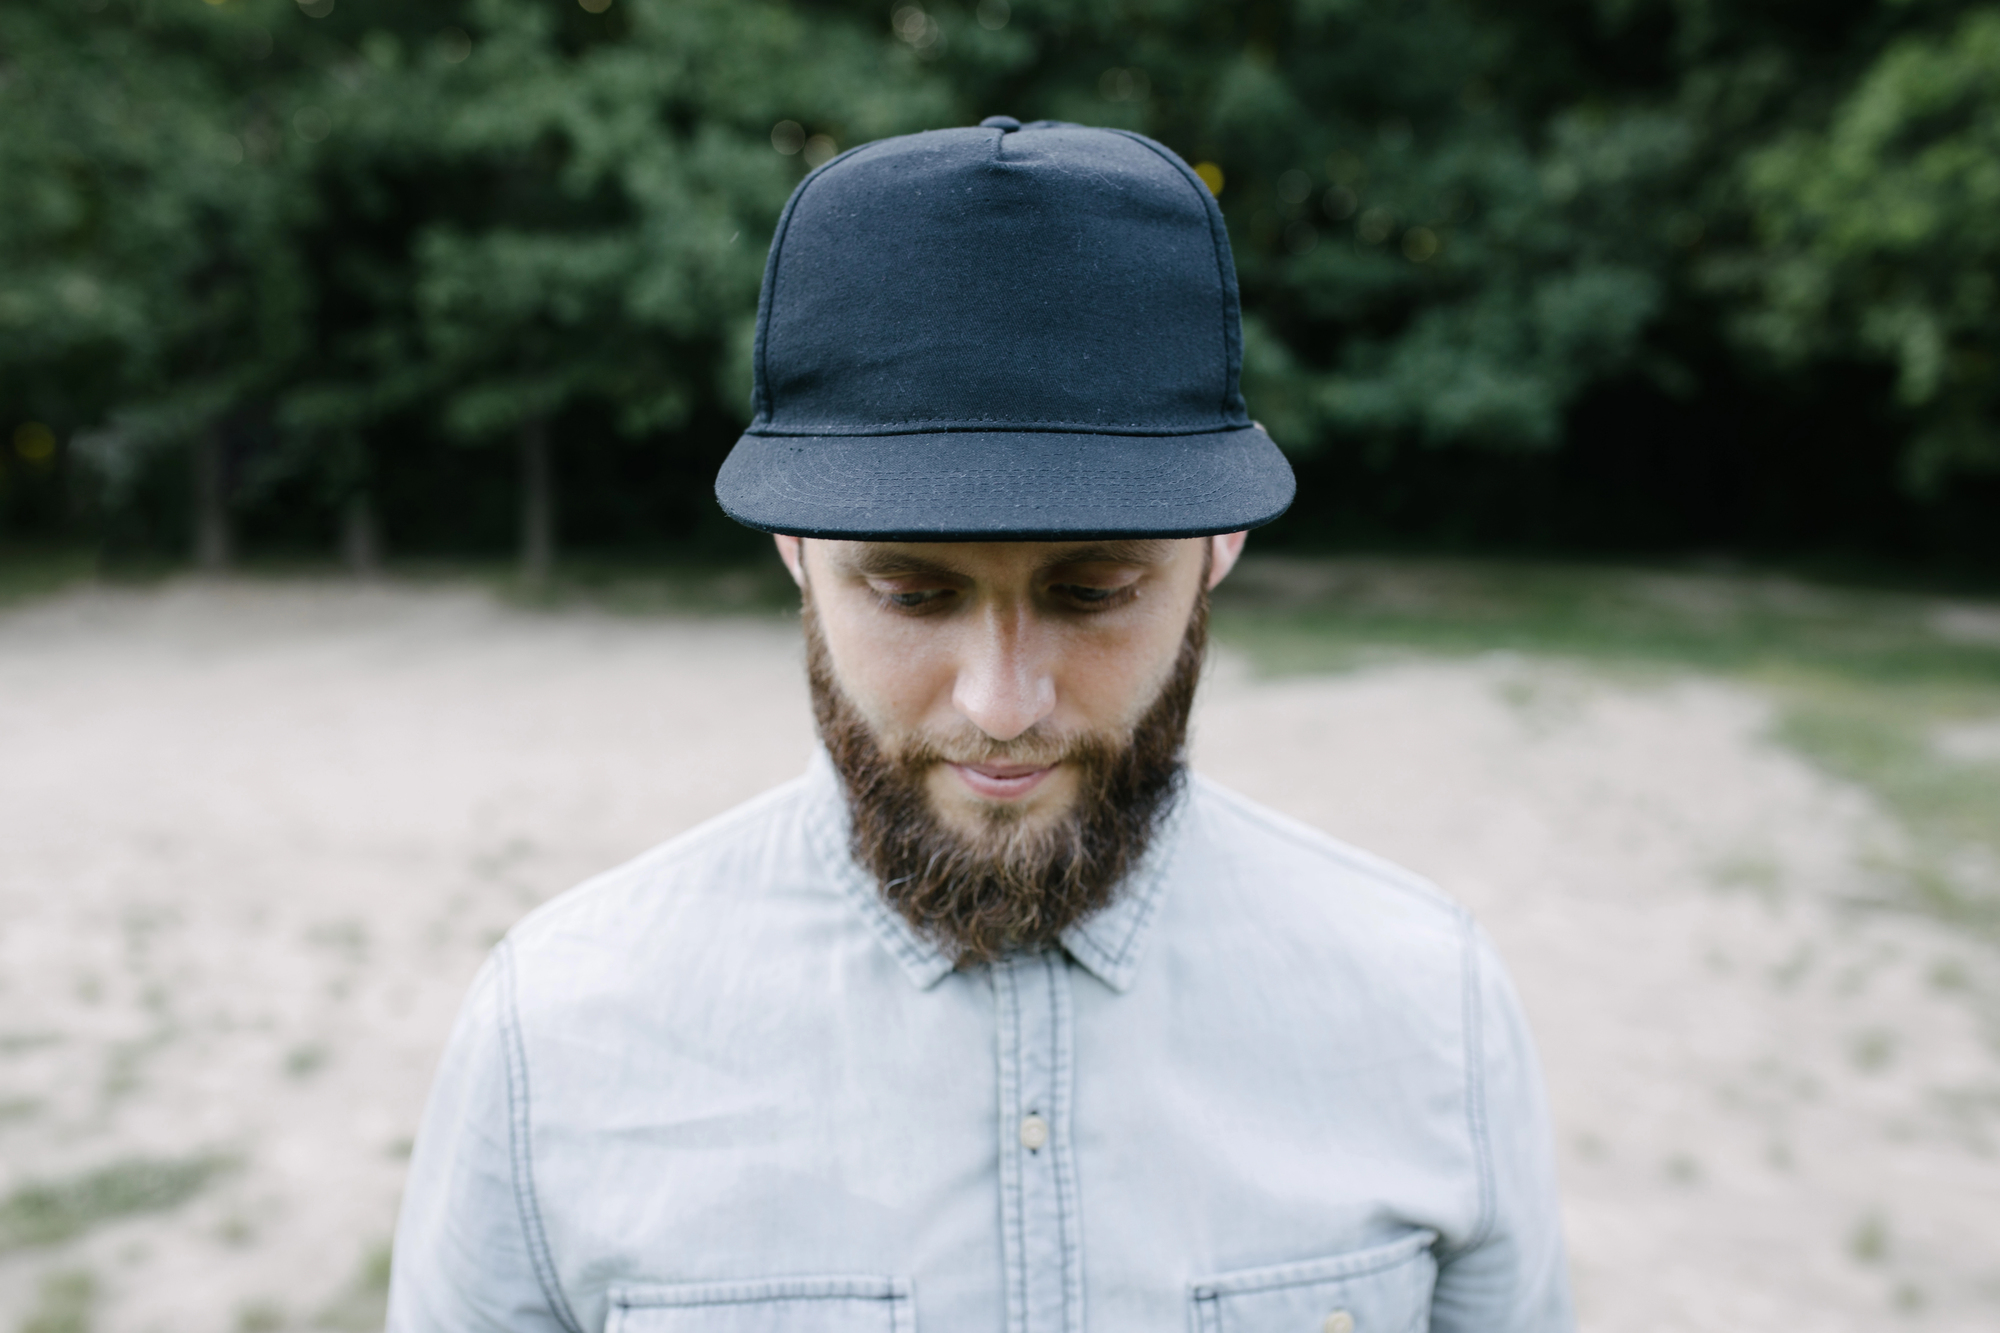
883,561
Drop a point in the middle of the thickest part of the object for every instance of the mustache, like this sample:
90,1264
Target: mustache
1033,748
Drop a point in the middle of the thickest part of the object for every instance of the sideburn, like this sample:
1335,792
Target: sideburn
1007,886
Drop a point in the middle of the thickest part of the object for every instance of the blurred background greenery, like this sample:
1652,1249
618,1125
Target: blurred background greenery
451,279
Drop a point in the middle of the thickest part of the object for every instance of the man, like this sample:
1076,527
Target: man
995,1020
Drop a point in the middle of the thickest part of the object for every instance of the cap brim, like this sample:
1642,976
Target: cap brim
1005,485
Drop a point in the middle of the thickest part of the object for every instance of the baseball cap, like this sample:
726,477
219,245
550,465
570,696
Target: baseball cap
1001,332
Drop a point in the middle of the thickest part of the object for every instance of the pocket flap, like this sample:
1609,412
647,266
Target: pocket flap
1382,1289
766,1305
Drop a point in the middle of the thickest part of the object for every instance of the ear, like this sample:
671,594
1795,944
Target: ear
792,551
1223,553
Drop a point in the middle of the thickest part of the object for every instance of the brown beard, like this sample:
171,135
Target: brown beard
1007,886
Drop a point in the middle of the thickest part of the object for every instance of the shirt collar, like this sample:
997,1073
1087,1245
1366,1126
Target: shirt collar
1108,944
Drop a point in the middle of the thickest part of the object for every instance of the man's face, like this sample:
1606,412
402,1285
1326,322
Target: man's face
1007,718
996,655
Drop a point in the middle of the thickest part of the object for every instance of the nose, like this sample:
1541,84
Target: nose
1004,683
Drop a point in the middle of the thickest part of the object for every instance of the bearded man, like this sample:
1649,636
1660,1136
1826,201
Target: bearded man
996,1019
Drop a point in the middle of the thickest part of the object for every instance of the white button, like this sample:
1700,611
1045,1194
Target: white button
1034,1133
1339,1322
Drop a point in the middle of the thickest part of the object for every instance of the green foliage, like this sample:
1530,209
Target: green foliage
149,272
332,232
1878,237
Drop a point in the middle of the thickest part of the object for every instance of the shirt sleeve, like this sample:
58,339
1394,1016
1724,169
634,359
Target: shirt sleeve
469,1255
1512,1275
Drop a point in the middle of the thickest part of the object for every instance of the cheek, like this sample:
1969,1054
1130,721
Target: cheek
1113,678
892,676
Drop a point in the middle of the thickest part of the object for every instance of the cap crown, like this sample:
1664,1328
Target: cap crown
1051,278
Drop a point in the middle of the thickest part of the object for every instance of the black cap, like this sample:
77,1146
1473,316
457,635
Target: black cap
1003,332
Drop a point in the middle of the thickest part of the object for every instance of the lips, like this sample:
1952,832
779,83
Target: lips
1001,782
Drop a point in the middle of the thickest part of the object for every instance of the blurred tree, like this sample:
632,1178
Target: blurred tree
1878,233
611,185
149,286
308,238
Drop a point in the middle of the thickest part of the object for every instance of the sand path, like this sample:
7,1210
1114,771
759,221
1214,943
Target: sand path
255,838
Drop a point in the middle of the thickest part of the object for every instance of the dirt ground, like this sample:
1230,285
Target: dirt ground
255,838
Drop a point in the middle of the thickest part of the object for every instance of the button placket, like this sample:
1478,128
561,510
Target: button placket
1041,1234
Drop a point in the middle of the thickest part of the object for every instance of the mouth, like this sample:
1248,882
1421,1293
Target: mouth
1001,782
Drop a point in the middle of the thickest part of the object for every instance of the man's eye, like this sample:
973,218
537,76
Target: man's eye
1079,592
914,600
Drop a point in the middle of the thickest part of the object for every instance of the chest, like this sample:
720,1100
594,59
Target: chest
1019,1149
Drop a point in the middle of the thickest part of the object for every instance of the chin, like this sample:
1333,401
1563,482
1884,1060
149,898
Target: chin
971,815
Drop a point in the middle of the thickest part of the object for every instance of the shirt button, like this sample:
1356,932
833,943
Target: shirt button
1338,1322
1034,1133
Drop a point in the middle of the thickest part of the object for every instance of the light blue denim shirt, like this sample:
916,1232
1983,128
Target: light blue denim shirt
1278,1086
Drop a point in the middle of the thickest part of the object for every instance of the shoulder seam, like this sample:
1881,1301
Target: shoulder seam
1218,240
1475,1092
656,859
1311,840
518,1125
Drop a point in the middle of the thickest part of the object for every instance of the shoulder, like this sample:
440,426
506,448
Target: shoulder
689,886
1295,897
1292,858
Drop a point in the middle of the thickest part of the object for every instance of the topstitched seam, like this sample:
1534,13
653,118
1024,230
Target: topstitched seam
525,1202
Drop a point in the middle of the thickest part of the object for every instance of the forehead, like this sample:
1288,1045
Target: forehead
997,560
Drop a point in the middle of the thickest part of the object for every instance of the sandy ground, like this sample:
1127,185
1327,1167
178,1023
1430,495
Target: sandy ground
254,839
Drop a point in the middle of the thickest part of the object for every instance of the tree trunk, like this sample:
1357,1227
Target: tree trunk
538,506
213,547
361,536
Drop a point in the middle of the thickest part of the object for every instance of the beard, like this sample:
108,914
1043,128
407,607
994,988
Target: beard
1008,884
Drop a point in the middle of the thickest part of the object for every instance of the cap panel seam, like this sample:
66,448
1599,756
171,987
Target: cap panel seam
1224,269
527,1204
764,402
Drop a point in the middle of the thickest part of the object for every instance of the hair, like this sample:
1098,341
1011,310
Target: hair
1009,885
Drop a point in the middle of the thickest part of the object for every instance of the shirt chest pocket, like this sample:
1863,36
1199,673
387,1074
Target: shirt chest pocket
1384,1289
772,1305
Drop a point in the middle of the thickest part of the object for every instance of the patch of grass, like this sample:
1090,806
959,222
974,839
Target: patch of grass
1880,735
36,571
1869,1241
1753,873
49,1212
13,1043
127,1059
364,1303
669,586
64,1305
1863,679
347,938
1872,1051
260,1317
1296,615
305,1060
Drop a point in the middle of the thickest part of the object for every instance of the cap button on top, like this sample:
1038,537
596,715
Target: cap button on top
1339,1322
1004,124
